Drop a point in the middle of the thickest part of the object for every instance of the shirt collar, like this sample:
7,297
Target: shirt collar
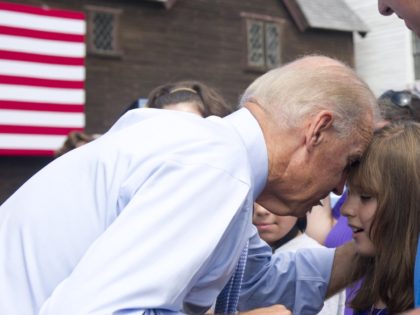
251,134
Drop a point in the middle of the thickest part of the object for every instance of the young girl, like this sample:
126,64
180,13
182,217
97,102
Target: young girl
383,211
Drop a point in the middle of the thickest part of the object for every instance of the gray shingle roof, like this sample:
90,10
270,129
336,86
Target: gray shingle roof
325,14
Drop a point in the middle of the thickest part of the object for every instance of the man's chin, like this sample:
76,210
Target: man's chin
414,28
300,212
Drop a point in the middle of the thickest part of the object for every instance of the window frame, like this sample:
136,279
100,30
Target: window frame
91,48
264,19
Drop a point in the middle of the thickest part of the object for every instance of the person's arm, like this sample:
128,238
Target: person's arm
412,312
297,280
270,310
301,281
343,262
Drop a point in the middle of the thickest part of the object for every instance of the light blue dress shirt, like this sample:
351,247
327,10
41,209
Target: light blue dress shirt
150,218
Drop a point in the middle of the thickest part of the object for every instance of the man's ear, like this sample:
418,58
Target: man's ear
319,123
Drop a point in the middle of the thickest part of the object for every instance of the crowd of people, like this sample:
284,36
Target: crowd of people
223,210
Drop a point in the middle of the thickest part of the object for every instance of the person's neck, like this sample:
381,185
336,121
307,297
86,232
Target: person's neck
281,142
292,234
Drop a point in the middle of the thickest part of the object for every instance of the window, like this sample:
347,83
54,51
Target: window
263,36
416,56
103,31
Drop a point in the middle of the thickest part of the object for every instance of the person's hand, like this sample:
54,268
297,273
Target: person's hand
413,312
271,310
320,221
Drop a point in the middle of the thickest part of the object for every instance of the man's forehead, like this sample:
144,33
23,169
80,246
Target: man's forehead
363,135
357,147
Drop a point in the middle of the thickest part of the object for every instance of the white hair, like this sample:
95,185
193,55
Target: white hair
310,84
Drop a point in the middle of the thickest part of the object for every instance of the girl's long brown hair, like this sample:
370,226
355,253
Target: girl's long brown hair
390,172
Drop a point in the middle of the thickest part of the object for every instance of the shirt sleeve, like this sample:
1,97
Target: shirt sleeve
151,255
298,280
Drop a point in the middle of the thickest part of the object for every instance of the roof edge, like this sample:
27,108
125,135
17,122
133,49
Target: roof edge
168,4
297,15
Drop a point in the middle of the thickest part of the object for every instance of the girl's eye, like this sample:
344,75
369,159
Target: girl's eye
365,198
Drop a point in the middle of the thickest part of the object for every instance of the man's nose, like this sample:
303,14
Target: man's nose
384,9
339,188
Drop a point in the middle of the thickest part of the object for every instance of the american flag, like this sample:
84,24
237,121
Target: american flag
42,74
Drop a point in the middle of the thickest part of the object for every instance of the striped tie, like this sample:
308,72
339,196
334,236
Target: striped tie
227,301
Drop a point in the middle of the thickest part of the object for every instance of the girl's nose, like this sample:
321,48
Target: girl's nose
259,210
348,208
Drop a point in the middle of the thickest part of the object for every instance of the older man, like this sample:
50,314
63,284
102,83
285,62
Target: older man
408,10
152,217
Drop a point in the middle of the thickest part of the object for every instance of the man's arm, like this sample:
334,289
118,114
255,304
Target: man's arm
298,280
343,261
271,310
413,312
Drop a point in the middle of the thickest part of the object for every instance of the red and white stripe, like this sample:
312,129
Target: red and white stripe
42,74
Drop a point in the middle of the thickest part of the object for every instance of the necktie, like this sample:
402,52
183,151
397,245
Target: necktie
227,301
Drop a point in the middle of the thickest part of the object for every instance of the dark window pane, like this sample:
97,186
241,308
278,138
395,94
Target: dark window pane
255,38
272,44
103,30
